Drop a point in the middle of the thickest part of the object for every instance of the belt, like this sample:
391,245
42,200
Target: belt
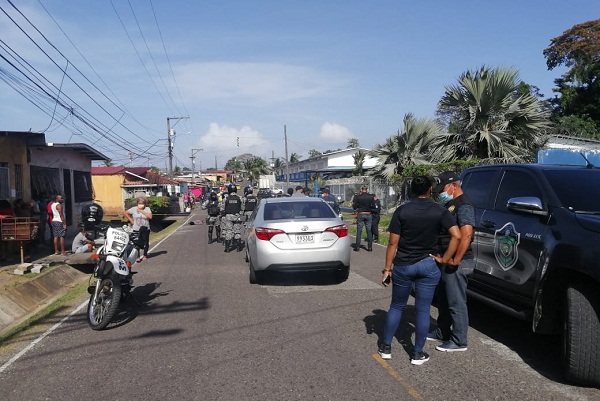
363,213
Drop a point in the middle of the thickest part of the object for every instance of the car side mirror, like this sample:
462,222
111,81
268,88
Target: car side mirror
527,204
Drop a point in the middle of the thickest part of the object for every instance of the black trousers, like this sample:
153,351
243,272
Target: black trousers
375,227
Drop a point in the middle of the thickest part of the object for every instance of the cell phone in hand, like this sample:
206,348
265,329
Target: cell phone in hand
388,279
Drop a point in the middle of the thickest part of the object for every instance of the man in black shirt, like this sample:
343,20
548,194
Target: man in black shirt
363,205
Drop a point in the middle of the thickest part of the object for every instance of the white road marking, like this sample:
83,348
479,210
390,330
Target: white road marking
57,325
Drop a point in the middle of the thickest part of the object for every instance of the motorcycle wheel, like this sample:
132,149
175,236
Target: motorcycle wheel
102,309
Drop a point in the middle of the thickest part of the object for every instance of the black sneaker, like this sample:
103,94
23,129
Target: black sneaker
419,358
385,351
433,336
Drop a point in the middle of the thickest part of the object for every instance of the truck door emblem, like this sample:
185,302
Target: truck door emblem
506,246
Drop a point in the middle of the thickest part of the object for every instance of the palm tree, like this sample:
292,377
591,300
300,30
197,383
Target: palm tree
409,147
489,118
295,158
359,160
254,167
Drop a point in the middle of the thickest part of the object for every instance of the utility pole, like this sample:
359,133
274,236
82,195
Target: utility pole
170,136
287,161
193,157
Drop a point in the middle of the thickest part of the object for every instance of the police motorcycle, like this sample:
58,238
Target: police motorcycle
112,273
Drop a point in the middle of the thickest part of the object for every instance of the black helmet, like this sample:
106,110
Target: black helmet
213,196
231,189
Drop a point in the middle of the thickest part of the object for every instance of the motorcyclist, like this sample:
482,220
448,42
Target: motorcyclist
213,209
231,209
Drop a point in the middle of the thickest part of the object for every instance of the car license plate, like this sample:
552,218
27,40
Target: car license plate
305,238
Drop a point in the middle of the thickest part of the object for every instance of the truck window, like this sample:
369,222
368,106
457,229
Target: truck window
477,187
516,183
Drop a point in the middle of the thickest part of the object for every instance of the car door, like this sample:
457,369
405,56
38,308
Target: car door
509,243
479,188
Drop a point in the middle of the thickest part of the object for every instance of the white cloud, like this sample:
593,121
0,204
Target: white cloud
335,133
224,138
265,83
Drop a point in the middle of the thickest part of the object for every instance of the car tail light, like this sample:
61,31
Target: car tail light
266,234
341,230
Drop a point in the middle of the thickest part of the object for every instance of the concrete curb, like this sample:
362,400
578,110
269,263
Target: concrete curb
19,303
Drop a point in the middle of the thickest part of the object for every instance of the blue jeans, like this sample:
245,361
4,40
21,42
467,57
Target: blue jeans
451,295
425,274
363,219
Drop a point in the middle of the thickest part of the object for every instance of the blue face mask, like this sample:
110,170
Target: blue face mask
445,198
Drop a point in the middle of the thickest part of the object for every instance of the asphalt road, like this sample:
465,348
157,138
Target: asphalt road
202,332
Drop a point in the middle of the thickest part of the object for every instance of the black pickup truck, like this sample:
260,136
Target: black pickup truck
537,251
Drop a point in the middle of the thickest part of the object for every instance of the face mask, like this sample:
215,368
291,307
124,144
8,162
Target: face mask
445,198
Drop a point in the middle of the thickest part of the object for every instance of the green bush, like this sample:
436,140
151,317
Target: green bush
159,205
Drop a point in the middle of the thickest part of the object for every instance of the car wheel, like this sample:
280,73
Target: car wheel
581,332
343,274
254,275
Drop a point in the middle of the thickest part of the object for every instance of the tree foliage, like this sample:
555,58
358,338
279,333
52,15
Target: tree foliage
578,49
295,158
408,147
489,117
314,153
352,143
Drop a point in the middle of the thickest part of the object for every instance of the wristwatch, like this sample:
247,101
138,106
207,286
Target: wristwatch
386,271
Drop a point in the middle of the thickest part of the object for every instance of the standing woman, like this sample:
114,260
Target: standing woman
414,231
140,216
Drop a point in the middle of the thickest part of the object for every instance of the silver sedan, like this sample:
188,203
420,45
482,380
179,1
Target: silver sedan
296,234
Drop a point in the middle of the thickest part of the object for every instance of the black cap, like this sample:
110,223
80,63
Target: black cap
445,178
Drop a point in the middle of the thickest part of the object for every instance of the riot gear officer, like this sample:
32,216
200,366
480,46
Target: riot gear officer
231,209
214,210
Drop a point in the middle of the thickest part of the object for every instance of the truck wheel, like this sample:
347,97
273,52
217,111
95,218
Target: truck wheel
581,335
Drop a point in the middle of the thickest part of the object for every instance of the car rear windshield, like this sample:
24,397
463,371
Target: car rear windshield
298,210
578,190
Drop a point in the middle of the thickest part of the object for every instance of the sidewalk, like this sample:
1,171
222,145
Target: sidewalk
22,296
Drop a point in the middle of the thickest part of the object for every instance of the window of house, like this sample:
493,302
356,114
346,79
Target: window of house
4,181
19,181
82,182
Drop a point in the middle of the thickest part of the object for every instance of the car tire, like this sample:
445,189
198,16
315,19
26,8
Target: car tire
254,276
342,274
581,335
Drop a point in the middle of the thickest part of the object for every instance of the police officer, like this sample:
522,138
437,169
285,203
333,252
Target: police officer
250,202
451,292
213,208
331,200
231,209
363,205
376,217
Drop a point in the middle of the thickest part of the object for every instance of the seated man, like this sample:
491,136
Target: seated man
83,242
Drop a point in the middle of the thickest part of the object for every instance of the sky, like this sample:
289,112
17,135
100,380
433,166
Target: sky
236,77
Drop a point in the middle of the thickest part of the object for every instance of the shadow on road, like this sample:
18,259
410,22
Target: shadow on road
540,352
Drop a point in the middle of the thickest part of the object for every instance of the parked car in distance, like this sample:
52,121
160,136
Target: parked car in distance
295,234
536,239
264,193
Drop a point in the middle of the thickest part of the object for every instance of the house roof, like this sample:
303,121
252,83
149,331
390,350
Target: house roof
32,138
82,148
140,171
138,176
